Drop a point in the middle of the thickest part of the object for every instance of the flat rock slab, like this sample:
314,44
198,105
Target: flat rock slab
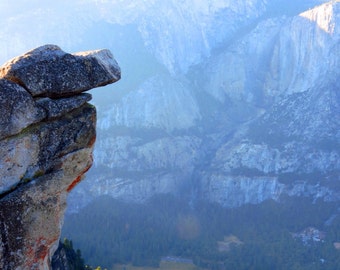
47,71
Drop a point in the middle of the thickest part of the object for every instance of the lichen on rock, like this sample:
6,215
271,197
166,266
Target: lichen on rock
47,133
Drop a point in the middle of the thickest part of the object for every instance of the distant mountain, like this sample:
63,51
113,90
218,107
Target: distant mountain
254,115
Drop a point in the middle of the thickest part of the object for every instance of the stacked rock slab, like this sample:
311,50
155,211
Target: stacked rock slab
47,132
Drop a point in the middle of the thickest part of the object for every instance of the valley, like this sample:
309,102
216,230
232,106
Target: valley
221,142
292,234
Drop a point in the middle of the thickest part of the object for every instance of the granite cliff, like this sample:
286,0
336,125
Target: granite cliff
47,133
249,117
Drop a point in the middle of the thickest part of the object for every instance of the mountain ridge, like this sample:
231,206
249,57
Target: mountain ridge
259,107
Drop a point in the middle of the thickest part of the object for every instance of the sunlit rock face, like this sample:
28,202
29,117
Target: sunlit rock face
295,138
279,57
306,52
254,118
46,147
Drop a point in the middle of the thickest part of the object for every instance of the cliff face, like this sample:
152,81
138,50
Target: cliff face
254,116
292,147
46,143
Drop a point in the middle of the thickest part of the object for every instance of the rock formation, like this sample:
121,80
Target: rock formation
47,132
251,97
256,119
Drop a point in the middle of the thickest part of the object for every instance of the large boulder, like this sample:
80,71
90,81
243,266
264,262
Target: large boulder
48,71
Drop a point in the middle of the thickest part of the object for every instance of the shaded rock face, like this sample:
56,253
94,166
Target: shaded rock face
45,146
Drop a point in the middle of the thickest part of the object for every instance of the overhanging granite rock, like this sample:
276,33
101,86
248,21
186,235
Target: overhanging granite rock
49,72
47,133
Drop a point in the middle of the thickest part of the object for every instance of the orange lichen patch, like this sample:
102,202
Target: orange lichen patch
29,256
78,179
41,252
92,141
37,253
74,183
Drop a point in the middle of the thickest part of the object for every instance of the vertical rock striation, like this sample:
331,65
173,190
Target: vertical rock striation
47,133
258,118
288,68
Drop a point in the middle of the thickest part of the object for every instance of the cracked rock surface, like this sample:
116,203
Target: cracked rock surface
47,133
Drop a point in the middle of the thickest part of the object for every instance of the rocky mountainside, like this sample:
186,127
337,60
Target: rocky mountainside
47,133
234,101
292,146
251,114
